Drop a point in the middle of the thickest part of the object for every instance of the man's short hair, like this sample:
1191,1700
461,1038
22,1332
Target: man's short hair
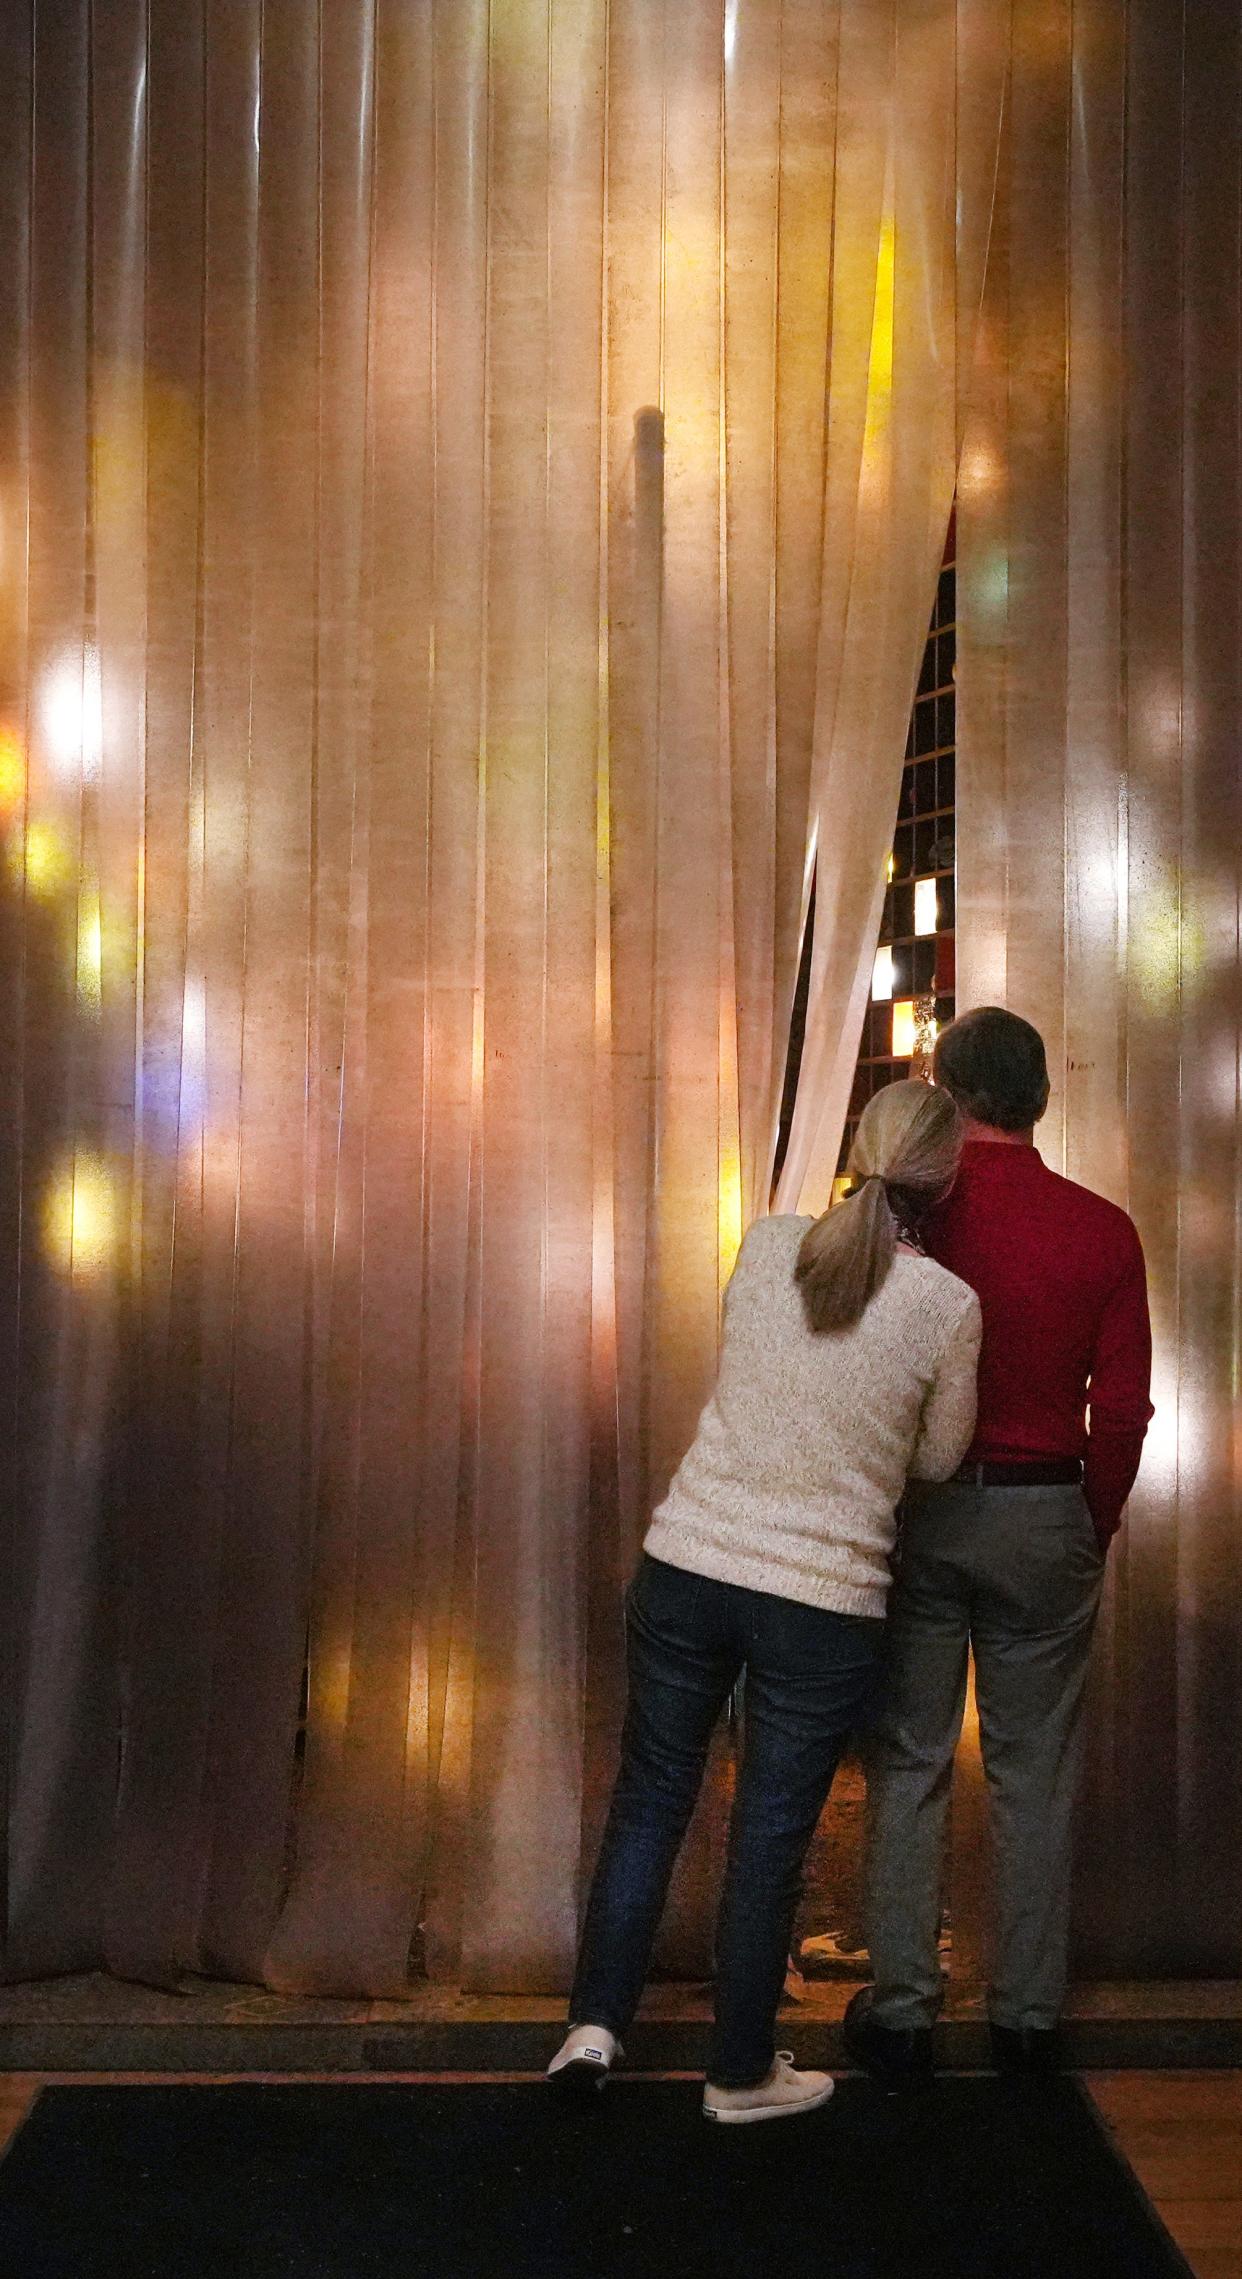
993,1063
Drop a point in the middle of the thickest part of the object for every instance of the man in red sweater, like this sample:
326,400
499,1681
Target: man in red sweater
1007,1558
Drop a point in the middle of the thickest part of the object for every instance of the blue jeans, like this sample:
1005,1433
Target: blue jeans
808,1678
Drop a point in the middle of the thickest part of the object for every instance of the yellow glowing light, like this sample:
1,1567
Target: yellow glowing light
1159,947
890,869
80,1219
40,856
729,1182
330,1684
970,1713
882,977
925,906
137,414
729,1220
12,770
880,363
477,1046
90,953
840,1188
904,1032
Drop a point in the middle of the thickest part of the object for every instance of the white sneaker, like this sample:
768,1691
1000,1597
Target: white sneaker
584,2059
835,1954
784,2092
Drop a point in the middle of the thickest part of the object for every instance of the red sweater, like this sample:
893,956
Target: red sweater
1061,1281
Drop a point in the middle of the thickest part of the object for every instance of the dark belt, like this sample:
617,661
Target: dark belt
1065,1472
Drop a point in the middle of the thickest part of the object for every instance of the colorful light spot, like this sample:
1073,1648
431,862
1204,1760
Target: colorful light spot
80,1219
12,771
904,1032
90,954
880,362
40,856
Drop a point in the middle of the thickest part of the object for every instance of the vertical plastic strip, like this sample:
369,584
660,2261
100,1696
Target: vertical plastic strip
1096,1139
454,1073
16,88
891,405
1036,676
1156,891
260,1625
306,1947
385,1737
634,284
172,1518
808,97
1208,1598
63,1685
539,972
753,80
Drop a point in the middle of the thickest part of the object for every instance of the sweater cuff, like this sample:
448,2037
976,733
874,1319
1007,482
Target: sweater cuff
1108,1475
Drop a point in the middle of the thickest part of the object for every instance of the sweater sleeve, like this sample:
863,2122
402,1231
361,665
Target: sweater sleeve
1118,1395
947,1424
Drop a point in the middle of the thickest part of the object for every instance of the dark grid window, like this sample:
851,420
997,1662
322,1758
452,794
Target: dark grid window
912,991
916,949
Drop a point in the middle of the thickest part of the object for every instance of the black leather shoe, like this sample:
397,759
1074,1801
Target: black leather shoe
898,2057
1027,2050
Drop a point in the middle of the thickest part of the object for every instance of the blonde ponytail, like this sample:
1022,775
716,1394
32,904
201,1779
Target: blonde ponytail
905,1153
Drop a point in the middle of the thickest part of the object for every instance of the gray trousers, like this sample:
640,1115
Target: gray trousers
1015,1573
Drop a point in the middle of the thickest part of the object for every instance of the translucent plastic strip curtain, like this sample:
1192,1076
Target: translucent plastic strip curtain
445,457
915,174
394,997
539,978
60,1207
1100,822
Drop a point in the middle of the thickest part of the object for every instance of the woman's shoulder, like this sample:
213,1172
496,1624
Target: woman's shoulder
782,1226
769,1249
952,1299
780,1230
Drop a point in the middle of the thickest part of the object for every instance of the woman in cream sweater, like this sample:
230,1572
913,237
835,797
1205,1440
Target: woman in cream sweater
847,1364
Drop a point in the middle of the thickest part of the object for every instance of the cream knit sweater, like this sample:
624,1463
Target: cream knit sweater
793,1478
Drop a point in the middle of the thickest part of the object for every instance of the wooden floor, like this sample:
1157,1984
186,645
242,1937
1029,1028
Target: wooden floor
1181,2133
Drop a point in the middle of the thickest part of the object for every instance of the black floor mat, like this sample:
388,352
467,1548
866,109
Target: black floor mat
971,2180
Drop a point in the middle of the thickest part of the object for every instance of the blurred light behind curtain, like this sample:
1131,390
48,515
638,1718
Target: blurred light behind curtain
1100,807
434,610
